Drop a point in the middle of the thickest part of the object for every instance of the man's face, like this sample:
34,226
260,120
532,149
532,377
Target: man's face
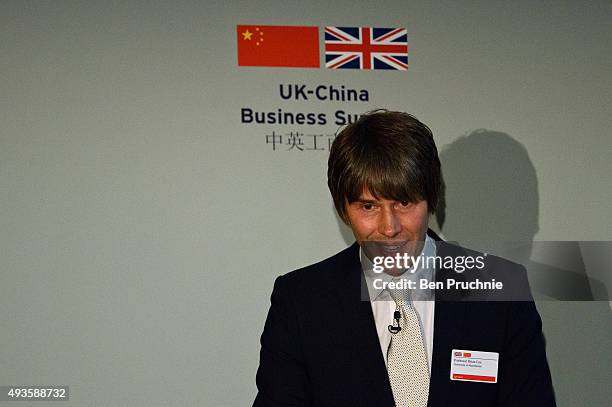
385,227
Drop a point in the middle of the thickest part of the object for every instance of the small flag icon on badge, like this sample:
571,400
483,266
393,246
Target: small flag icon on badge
278,46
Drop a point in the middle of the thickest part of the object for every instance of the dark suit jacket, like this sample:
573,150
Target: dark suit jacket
319,346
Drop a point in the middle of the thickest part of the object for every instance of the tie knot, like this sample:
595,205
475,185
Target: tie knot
401,297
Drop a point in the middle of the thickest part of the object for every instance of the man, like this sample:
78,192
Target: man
334,338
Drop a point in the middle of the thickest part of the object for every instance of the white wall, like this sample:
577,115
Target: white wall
143,224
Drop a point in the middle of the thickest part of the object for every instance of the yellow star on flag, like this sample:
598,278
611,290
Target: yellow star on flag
247,35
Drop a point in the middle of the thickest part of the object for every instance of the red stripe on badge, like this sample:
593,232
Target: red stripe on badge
458,376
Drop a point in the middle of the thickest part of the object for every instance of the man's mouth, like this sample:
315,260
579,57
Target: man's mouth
390,248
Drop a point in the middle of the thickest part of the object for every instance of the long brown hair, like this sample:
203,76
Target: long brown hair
391,154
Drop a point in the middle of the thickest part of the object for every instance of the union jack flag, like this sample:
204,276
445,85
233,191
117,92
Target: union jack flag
366,48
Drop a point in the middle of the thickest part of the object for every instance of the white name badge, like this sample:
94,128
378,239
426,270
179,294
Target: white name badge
474,366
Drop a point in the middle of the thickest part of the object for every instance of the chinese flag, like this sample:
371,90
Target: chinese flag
276,45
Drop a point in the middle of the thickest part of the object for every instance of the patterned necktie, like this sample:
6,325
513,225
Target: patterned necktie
406,358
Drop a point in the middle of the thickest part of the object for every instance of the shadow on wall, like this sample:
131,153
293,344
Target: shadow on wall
490,202
490,189
491,195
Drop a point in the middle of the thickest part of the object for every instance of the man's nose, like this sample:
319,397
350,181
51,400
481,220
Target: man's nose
389,225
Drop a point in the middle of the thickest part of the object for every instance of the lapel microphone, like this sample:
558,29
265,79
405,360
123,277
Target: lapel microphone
392,328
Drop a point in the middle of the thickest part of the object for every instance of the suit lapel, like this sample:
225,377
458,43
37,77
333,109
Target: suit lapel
448,323
447,327
360,320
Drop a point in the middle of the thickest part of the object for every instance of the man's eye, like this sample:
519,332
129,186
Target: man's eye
405,204
367,206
